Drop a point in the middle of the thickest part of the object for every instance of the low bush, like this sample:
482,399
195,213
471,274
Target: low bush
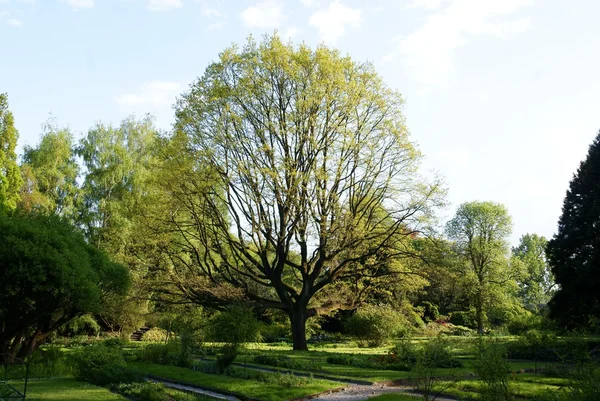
277,378
49,361
155,335
374,325
171,353
493,369
144,391
226,357
283,361
102,365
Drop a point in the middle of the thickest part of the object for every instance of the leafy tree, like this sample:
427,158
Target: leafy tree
10,177
480,231
375,324
50,174
537,285
117,162
315,179
49,275
574,252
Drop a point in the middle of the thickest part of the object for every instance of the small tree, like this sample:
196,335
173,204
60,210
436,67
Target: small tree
10,176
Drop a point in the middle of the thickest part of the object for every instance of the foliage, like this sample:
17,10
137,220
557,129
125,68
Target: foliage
315,192
537,285
493,368
50,174
435,354
102,365
235,325
226,357
49,275
155,335
283,361
574,252
10,177
145,391
374,325
171,353
480,230
82,325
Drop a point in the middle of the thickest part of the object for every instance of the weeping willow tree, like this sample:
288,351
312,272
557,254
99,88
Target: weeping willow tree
311,192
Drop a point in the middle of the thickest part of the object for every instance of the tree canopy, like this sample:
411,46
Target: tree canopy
10,176
49,275
315,181
574,252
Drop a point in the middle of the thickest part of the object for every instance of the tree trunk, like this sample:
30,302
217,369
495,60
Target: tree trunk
298,320
479,312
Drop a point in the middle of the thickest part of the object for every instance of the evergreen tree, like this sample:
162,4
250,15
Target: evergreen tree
574,252
10,177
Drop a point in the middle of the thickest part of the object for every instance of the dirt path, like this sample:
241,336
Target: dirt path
362,392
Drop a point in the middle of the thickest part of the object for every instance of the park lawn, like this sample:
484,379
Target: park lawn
523,386
250,388
68,390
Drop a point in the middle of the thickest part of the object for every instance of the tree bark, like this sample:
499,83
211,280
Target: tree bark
298,319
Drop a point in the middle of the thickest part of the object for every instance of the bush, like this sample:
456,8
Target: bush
83,325
171,353
283,361
155,335
226,358
49,361
374,325
102,365
234,326
493,369
145,391
463,318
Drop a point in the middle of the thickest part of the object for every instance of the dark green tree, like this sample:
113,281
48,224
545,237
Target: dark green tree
574,252
10,177
49,275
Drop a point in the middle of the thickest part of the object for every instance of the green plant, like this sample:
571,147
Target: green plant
374,325
144,391
235,325
155,335
102,365
226,358
493,368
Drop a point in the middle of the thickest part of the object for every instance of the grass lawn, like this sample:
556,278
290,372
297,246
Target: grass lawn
250,388
68,390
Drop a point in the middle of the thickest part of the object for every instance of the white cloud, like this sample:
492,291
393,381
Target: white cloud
428,53
163,5
15,22
79,4
332,22
210,12
152,95
291,32
266,14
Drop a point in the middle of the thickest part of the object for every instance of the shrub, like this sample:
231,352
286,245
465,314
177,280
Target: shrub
374,325
144,391
114,342
234,326
102,366
85,324
155,335
226,358
493,369
171,353
283,361
463,318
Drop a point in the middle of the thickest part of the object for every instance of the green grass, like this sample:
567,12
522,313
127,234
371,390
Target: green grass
68,390
250,388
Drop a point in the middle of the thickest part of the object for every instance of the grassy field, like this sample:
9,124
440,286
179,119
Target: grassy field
68,390
250,388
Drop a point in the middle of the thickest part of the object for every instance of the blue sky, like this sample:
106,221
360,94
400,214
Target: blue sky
502,96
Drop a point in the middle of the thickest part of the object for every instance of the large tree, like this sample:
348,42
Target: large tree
574,252
480,231
314,179
10,177
537,284
49,275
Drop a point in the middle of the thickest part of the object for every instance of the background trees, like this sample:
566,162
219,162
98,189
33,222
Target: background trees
10,177
574,252
480,231
48,276
314,168
536,286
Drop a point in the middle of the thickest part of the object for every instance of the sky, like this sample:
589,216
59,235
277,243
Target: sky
502,96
